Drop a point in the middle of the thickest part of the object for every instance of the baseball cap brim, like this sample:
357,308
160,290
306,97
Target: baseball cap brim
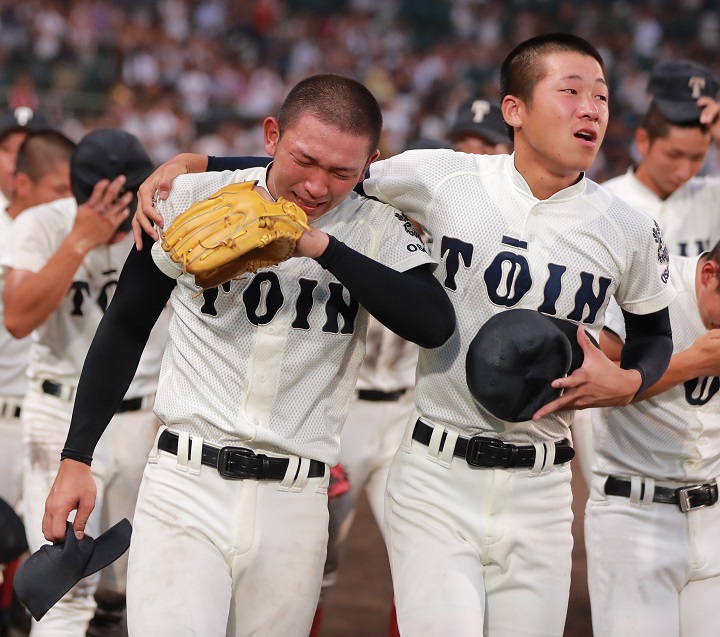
488,133
678,111
50,572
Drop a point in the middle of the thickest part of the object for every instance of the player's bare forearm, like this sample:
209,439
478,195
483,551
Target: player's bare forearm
160,182
73,489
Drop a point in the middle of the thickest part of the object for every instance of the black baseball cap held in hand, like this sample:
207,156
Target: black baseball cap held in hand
676,85
514,358
54,569
106,154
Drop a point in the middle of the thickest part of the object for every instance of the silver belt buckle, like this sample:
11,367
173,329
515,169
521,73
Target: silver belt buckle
685,493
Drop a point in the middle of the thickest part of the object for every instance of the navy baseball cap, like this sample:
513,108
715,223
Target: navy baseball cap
514,358
675,87
482,118
22,119
54,569
105,154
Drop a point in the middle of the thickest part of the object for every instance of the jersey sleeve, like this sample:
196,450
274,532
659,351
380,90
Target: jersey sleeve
645,286
401,246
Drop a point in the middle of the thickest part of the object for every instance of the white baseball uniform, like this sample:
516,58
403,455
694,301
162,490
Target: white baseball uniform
377,416
13,383
57,354
488,549
652,568
689,218
690,222
267,362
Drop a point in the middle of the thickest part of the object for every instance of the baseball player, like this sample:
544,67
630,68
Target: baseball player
61,265
673,141
478,540
230,530
652,520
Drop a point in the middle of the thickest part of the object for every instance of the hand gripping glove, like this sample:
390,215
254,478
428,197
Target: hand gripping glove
233,231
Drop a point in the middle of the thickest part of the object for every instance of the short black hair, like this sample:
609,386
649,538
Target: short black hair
524,66
337,100
40,152
657,126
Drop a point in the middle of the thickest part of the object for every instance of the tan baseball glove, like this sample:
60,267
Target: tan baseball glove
233,231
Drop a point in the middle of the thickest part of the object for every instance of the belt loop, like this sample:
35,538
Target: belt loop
154,453
287,481
302,476
446,455
434,447
636,488
183,450
539,464
549,458
649,492
195,455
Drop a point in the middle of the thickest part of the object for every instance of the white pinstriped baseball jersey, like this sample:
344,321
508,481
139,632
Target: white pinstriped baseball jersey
271,360
59,345
689,218
14,352
675,435
501,248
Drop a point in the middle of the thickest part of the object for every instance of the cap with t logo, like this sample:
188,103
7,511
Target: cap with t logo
482,118
676,85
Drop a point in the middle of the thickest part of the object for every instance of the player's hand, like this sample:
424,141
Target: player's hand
597,383
312,243
100,216
73,489
702,358
710,115
160,182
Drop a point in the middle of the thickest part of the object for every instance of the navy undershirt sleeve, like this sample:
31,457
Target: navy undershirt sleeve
141,294
412,304
648,345
218,164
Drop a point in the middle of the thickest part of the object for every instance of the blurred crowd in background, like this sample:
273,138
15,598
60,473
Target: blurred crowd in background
201,74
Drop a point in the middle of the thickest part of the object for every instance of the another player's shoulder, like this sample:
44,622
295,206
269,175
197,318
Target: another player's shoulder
610,203
703,185
442,163
51,217
620,183
190,188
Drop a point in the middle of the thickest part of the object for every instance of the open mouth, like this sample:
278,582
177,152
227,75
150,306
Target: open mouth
586,135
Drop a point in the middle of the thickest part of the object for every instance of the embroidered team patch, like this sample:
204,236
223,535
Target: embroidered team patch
663,255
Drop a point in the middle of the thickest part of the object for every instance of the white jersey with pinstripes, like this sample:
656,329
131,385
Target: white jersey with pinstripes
689,217
501,248
270,360
14,352
675,435
60,344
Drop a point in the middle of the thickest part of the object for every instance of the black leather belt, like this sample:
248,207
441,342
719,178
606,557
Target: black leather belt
376,395
489,452
237,462
686,498
56,389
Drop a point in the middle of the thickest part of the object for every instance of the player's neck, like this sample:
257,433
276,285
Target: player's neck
543,182
641,174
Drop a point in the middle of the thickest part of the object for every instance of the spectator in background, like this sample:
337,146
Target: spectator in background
480,128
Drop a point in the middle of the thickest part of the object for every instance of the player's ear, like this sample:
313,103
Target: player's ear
22,184
709,274
271,130
642,141
512,110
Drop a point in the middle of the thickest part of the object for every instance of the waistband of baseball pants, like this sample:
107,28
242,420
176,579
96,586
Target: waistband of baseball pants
10,407
237,463
67,393
480,451
687,498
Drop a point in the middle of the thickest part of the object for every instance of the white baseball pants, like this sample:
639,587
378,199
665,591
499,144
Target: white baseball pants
477,551
652,569
211,556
